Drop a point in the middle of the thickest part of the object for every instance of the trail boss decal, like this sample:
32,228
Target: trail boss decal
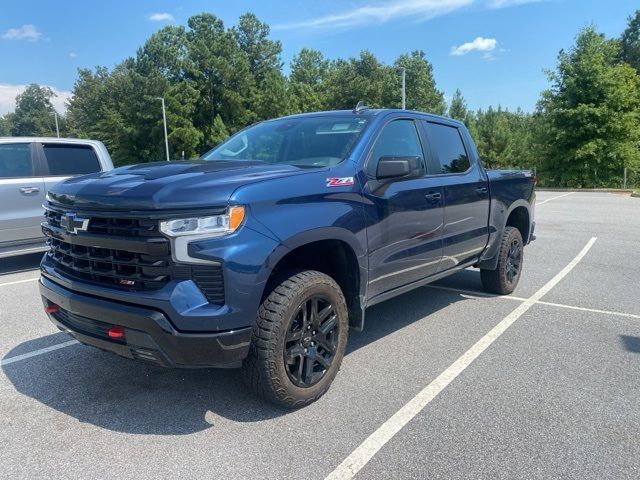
339,182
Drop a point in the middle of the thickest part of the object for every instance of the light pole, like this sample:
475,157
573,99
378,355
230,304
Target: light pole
164,121
404,87
55,115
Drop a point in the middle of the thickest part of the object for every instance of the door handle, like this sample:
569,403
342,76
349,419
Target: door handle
482,191
29,190
433,197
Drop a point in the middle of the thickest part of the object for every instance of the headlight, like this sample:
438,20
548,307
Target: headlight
216,225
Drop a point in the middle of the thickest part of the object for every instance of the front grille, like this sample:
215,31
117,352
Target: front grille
124,253
110,266
126,227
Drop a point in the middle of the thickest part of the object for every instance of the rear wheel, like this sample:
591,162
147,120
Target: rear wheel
504,279
299,339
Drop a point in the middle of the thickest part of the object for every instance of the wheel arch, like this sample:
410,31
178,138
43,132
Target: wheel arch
333,251
518,215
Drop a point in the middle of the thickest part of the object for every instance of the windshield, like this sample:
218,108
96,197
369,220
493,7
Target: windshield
304,142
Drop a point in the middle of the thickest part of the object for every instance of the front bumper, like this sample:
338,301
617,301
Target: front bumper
149,335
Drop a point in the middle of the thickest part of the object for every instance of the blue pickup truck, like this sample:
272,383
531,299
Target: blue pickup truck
267,250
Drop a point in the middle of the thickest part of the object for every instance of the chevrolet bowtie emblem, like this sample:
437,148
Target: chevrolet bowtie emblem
74,224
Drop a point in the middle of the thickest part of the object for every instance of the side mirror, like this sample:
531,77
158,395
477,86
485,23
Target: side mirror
399,167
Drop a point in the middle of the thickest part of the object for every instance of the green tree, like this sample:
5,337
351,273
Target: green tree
5,125
630,42
458,107
422,93
505,139
307,80
364,78
592,110
34,113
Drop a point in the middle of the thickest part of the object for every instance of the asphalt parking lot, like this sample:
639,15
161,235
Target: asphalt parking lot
444,382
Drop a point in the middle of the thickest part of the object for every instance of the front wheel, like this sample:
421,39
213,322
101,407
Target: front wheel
298,341
504,279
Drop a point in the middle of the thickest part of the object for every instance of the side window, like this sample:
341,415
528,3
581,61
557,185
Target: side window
70,159
448,144
15,160
398,139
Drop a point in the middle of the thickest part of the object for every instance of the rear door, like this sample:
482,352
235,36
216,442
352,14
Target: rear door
406,215
22,193
63,161
466,195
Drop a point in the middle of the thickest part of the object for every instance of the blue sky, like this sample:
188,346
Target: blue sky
495,51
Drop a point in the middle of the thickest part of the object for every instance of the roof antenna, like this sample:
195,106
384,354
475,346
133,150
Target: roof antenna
360,106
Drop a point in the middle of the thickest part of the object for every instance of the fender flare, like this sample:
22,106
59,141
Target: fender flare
356,312
489,260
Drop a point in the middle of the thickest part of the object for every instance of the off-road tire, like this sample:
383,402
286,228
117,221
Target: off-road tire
264,370
497,281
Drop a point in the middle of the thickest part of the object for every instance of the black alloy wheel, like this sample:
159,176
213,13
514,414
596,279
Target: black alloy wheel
513,260
311,341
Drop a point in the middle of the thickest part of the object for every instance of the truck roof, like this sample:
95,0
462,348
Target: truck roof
79,141
372,112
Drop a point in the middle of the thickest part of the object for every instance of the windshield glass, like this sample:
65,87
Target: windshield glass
304,142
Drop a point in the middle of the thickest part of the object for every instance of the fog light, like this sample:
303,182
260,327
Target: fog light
116,332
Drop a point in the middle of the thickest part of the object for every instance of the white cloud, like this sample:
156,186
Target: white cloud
9,92
388,10
480,44
73,54
380,13
161,17
25,32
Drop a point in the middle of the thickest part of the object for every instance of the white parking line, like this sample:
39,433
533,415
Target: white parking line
18,281
476,294
35,353
351,465
553,198
593,310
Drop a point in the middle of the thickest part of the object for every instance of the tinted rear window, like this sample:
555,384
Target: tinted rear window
15,160
71,159
449,147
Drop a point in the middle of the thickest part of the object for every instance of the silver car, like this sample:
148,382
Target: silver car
29,166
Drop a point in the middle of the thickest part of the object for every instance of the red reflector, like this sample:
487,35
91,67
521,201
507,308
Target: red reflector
53,308
116,332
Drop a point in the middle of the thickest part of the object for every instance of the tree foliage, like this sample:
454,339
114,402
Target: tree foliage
630,42
591,113
422,94
458,108
34,113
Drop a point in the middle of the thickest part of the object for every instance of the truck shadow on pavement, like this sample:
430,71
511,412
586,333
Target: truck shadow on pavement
20,263
121,395
630,343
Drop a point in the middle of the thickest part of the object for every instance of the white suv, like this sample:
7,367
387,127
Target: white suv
29,166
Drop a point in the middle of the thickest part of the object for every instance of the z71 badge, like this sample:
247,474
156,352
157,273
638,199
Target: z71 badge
339,182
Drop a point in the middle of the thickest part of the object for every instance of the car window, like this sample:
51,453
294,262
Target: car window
448,144
399,138
15,160
70,159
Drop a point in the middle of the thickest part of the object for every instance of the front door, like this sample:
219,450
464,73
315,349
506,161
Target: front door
405,216
22,193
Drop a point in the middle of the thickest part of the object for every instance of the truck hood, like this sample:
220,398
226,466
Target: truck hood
165,185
